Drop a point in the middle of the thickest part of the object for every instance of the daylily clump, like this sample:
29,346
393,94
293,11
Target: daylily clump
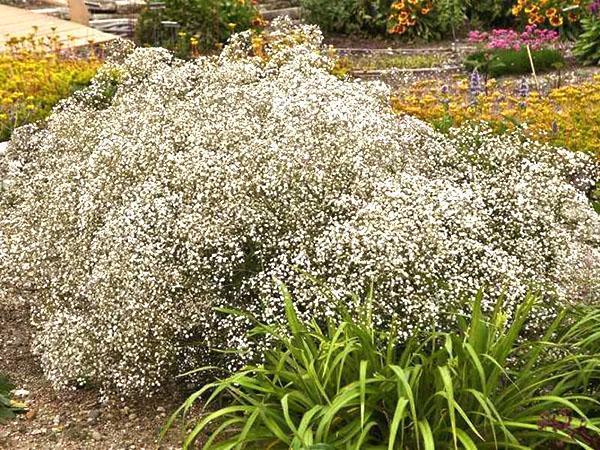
168,188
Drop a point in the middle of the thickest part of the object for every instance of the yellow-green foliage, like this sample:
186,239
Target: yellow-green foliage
35,73
568,116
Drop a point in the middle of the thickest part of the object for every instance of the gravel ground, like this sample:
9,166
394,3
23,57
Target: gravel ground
74,419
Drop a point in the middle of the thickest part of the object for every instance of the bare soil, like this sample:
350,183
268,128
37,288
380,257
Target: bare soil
76,419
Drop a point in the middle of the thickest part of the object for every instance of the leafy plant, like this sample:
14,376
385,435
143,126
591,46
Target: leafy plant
513,62
415,18
347,16
8,407
187,26
587,47
35,73
451,15
487,13
349,386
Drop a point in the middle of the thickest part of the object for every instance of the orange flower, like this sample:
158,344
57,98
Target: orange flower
556,21
399,29
551,12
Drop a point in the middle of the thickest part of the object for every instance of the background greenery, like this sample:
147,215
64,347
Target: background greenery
34,75
202,24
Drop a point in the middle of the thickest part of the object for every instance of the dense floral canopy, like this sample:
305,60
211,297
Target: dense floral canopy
171,187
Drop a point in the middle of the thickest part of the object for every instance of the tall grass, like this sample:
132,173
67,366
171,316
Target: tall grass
348,386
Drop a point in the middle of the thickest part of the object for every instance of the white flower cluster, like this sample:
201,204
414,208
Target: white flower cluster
146,201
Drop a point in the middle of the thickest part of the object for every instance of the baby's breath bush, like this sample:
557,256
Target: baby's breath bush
167,188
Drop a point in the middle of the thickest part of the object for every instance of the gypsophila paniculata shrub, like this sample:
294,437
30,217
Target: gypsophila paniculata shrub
168,188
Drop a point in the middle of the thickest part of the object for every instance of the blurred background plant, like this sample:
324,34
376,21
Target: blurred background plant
191,26
506,38
568,116
348,385
554,13
35,73
413,18
347,16
451,16
8,407
499,62
587,47
560,14
489,13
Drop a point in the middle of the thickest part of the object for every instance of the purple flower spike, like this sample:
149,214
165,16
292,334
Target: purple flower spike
475,84
523,88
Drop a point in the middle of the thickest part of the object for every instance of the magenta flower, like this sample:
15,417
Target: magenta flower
504,38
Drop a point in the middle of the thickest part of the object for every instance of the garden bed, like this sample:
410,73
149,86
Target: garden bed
170,206
76,419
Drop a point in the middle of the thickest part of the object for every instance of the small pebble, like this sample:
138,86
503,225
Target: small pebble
31,414
94,414
21,393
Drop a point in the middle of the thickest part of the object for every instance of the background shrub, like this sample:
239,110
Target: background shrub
587,47
34,75
348,385
567,116
347,16
513,62
490,13
195,184
202,24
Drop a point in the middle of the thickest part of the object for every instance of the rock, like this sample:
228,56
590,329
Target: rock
132,416
38,431
56,420
96,435
31,414
94,414
160,409
21,393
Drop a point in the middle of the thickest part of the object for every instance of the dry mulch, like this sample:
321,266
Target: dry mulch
75,419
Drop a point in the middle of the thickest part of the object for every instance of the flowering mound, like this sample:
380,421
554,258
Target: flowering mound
168,188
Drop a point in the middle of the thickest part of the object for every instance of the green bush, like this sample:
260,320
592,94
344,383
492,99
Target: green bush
587,47
513,62
348,386
447,17
451,16
347,16
490,13
201,24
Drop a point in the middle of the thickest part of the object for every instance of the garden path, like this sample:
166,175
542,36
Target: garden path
17,22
